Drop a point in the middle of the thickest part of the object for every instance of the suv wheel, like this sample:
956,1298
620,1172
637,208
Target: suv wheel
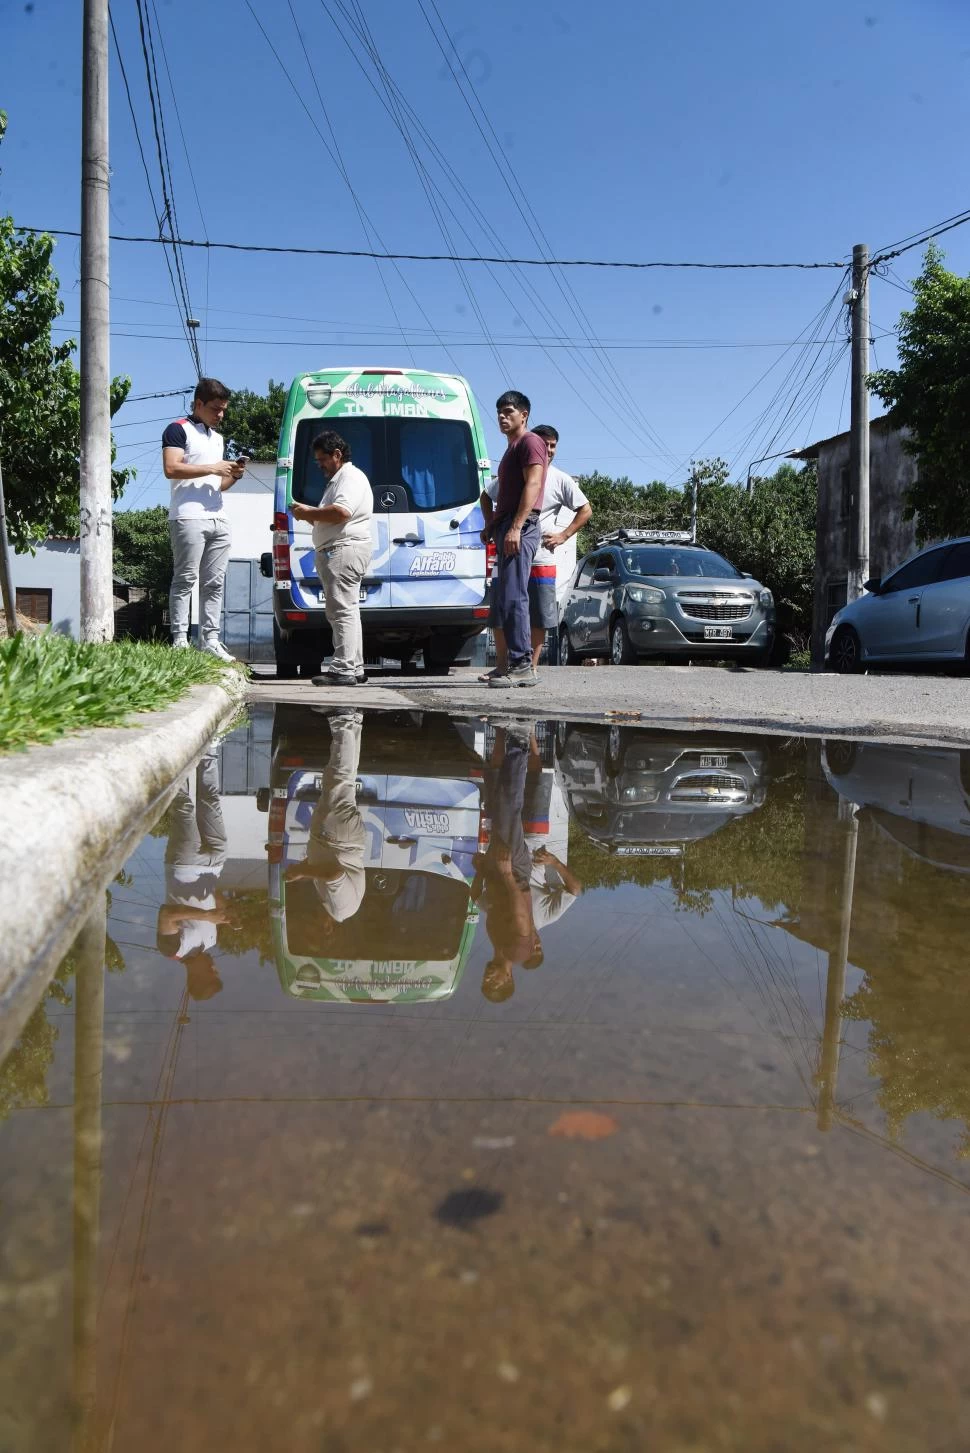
621,647
567,656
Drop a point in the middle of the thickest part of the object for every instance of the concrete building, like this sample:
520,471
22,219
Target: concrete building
891,538
47,585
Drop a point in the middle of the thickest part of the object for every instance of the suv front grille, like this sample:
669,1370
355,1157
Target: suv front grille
698,612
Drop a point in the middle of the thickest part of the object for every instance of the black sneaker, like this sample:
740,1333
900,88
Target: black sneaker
334,678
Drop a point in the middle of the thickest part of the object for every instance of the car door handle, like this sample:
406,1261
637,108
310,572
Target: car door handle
913,600
406,540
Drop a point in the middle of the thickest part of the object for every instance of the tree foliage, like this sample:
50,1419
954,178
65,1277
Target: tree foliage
40,406
143,549
929,395
252,422
768,529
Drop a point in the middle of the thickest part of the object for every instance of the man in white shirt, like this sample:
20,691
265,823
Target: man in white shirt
201,539
562,494
343,538
195,856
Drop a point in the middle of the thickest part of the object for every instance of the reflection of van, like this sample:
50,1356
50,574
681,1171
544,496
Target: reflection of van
649,794
418,438
419,794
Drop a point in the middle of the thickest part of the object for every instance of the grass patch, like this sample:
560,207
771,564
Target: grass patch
51,684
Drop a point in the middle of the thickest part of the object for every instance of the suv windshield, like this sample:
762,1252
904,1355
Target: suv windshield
662,560
430,461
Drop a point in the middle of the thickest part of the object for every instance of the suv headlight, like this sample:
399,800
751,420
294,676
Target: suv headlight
766,599
645,595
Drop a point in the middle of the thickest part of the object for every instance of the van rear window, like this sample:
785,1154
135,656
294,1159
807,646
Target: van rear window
429,463
403,915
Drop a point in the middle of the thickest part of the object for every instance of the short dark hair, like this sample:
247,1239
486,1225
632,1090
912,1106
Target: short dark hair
328,443
518,401
546,431
208,389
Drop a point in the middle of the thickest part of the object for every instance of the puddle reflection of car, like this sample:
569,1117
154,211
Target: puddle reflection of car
419,794
646,794
917,796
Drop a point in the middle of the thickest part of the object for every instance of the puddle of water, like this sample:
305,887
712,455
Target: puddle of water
587,1088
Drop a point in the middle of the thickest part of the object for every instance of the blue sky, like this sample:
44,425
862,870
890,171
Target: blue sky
746,132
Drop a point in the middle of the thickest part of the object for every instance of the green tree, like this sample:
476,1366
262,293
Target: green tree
929,395
252,422
143,549
40,409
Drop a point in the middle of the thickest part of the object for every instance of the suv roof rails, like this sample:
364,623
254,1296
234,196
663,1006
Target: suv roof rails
639,537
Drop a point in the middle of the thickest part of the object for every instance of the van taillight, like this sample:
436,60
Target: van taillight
281,545
491,555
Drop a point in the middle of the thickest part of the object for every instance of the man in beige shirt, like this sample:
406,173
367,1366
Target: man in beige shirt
343,538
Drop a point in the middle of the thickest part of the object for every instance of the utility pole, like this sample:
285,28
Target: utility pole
6,581
693,502
97,606
858,571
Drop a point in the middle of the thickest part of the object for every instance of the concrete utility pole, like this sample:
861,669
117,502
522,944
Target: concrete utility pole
6,582
97,608
859,424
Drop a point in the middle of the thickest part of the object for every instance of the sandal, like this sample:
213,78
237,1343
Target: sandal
488,675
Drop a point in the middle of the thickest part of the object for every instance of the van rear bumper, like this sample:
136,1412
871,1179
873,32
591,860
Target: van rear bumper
401,623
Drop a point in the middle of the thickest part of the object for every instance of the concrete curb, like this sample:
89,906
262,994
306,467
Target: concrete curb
72,812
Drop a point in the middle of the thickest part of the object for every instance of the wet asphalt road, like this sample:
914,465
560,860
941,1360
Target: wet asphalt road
917,709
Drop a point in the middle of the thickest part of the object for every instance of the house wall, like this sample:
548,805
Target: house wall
55,567
891,539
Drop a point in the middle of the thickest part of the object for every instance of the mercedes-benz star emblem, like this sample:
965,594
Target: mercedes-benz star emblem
388,498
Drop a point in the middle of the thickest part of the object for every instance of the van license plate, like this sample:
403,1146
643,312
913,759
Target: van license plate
363,594
719,633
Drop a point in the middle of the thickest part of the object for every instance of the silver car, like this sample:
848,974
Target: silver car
647,593
919,613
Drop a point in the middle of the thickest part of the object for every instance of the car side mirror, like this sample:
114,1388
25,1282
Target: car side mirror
873,585
602,576
266,564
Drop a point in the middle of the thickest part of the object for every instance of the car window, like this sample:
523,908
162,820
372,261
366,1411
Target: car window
586,573
664,560
921,571
607,561
957,564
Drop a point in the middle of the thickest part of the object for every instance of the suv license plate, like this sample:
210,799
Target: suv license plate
719,633
712,761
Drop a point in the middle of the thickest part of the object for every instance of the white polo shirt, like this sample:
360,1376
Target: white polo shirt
351,489
194,499
561,493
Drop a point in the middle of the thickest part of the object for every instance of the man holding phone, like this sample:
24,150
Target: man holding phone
192,459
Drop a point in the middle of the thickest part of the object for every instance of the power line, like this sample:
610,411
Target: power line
906,244
439,256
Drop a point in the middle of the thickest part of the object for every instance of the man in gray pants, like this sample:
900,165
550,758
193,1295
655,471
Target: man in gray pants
201,539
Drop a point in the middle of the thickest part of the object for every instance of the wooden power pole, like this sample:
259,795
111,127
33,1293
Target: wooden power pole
97,602
858,571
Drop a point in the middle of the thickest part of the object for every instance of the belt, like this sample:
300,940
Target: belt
507,520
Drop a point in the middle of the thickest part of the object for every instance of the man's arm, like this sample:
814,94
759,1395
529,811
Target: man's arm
320,514
569,880
488,514
559,537
175,467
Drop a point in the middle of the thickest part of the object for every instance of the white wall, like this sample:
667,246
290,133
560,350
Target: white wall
56,567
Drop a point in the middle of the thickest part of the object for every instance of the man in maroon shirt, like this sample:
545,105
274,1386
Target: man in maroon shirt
515,530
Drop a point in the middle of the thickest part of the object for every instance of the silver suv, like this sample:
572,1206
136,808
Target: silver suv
656,593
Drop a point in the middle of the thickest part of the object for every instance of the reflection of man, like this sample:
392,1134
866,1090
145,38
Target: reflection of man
335,852
503,872
553,887
189,919
561,495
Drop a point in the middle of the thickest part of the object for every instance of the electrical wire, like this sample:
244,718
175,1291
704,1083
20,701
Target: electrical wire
542,262
916,239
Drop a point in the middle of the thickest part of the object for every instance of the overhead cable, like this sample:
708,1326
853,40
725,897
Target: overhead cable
437,256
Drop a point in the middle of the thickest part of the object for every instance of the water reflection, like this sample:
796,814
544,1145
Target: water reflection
224,1229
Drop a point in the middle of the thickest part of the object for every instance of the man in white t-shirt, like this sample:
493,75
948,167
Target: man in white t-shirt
188,920
562,497
343,537
201,539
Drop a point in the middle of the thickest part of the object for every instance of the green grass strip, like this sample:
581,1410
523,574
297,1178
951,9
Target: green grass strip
51,684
